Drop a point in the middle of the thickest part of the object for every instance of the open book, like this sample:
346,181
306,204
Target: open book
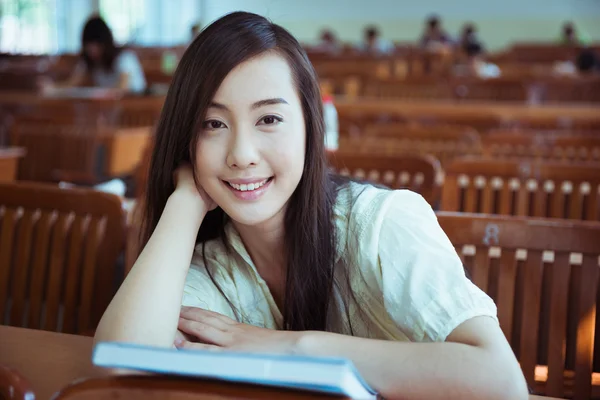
324,375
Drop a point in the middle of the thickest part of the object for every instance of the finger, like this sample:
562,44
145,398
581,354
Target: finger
183,336
185,345
200,314
204,332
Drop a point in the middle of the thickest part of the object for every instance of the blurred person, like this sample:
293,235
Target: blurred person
374,43
328,43
475,64
469,36
571,36
587,62
434,38
103,64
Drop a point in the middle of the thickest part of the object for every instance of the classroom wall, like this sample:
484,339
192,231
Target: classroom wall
500,22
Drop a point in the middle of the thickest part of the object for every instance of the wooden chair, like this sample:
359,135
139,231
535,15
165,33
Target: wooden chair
444,142
547,146
137,387
523,187
543,275
58,256
13,386
417,173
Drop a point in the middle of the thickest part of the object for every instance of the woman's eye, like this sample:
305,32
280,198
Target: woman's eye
270,120
213,124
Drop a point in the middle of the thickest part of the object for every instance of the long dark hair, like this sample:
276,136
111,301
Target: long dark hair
97,31
310,242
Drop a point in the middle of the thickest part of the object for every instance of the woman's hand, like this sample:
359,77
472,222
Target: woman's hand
215,331
185,186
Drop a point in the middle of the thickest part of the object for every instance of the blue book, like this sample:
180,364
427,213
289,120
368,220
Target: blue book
318,374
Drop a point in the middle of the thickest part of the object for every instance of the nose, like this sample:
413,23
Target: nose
243,150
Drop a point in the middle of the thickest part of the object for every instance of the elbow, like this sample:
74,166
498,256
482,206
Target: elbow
509,382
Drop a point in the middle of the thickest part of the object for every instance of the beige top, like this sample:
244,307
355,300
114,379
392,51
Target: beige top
404,272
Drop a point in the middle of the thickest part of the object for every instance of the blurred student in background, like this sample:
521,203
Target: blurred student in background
374,43
571,36
434,37
328,43
469,37
103,64
475,64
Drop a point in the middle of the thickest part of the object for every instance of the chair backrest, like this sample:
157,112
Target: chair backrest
523,187
417,173
58,256
497,89
444,142
551,146
543,275
13,386
54,146
408,90
137,387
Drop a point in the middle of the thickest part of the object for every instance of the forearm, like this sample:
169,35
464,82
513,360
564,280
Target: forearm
146,308
405,370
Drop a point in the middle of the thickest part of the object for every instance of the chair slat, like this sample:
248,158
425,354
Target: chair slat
72,276
9,220
90,259
21,267
559,296
531,313
506,290
481,270
56,271
586,326
39,268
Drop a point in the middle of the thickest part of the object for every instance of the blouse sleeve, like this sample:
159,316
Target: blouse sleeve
128,63
425,290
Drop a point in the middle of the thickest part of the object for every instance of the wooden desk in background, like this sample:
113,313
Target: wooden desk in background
9,163
50,361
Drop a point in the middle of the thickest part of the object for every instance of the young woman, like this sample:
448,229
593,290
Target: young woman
103,64
284,257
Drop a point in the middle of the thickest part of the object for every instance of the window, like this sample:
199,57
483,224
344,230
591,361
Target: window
125,18
28,26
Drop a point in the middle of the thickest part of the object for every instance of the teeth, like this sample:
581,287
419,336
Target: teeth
247,187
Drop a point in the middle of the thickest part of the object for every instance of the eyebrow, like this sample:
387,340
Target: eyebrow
258,104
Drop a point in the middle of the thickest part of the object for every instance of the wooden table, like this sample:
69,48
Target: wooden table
9,162
50,361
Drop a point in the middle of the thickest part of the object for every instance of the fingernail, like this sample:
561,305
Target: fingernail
178,342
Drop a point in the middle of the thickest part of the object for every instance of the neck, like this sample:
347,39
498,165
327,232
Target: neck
265,245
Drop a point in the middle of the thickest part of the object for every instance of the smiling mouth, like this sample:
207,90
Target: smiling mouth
248,187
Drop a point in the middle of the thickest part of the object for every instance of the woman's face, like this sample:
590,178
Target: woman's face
94,51
250,150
